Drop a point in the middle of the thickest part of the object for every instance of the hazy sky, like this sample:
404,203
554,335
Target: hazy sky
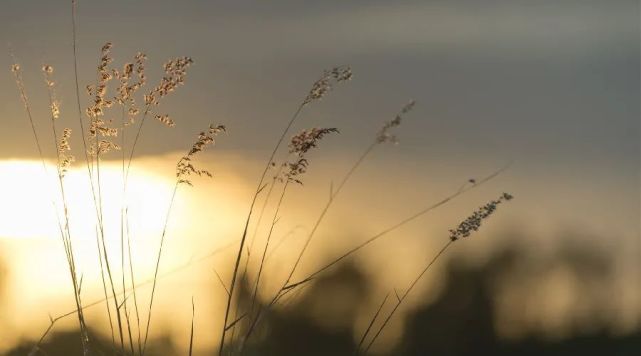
553,85
545,81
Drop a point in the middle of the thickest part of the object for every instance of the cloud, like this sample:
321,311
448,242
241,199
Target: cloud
523,29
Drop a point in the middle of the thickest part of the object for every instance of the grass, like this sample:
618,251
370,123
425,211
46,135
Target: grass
100,138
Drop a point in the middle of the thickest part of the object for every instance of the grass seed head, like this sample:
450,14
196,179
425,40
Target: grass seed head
299,145
326,82
384,134
184,167
473,222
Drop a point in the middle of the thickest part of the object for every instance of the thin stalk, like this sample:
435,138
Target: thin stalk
371,323
106,257
326,208
65,239
89,163
262,261
253,238
74,31
139,285
70,255
131,340
133,283
396,226
104,288
122,222
135,143
251,246
407,291
244,236
191,334
153,287
332,197
287,288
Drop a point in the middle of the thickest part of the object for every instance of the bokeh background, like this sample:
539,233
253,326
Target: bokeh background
551,85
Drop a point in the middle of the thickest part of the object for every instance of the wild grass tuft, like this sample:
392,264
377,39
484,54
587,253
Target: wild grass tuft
121,91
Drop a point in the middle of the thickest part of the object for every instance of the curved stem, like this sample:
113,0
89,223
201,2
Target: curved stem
371,323
347,176
395,226
153,287
407,291
244,236
262,261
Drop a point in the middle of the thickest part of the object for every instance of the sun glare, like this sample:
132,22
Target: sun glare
28,194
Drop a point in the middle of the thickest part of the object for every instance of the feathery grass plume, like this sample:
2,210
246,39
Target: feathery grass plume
54,105
176,71
299,145
175,74
471,224
16,69
100,135
63,228
99,91
184,169
63,161
125,97
319,89
98,128
100,143
165,120
323,85
381,137
66,159
290,286
62,145
127,89
384,134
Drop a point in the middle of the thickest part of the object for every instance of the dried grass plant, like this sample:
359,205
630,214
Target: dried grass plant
122,91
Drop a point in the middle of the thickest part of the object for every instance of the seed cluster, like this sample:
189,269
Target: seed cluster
126,89
130,79
175,73
99,91
98,128
473,222
308,139
184,167
54,104
384,134
323,85
165,120
62,145
299,145
65,158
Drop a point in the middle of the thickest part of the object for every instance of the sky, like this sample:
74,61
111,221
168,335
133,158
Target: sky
551,85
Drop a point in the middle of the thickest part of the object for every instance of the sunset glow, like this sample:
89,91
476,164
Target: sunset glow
28,194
